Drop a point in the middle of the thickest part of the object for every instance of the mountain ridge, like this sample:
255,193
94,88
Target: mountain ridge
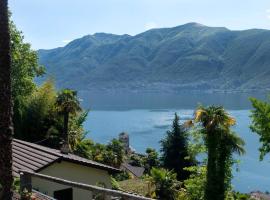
186,57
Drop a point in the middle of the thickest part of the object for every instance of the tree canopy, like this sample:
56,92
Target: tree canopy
260,116
24,68
174,149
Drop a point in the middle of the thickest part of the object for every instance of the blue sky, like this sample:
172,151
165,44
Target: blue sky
53,23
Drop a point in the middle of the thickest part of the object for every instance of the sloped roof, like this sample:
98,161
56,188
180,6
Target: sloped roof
136,171
34,157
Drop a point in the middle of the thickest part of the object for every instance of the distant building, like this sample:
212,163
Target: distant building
134,171
124,138
257,195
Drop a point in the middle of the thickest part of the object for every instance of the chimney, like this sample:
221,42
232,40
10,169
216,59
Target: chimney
64,149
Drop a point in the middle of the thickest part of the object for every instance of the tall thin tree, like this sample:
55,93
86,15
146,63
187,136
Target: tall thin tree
6,130
221,143
174,149
67,103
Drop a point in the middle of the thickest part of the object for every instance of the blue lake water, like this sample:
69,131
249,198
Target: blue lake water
147,117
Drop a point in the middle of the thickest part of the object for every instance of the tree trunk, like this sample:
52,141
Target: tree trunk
221,177
6,130
65,131
224,155
211,192
65,142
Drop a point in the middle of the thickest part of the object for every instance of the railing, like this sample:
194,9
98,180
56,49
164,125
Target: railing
26,183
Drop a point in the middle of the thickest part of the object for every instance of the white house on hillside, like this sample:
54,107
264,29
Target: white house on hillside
51,162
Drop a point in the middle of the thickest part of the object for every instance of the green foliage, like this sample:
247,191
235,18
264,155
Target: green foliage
165,183
260,116
39,118
221,143
115,184
25,195
136,160
68,105
196,145
25,65
114,154
195,185
43,122
239,196
151,159
16,184
67,102
111,154
76,132
124,175
138,186
84,148
24,69
174,147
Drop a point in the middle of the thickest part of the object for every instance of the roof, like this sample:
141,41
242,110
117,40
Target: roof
260,195
34,158
136,171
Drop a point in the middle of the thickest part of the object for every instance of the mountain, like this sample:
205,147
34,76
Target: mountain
187,57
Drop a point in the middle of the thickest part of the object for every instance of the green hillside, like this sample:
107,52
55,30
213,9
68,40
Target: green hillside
187,57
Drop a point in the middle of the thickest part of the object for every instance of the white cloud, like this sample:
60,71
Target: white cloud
66,41
150,25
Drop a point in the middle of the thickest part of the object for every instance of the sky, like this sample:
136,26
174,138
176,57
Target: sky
49,24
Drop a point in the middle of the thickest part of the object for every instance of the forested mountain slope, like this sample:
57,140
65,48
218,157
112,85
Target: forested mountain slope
186,57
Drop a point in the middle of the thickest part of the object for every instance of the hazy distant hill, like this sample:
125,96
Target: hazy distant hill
187,57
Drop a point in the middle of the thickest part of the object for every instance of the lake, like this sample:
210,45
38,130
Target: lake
147,117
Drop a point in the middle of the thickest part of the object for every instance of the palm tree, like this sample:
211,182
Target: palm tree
67,103
5,106
165,183
221,143
229,143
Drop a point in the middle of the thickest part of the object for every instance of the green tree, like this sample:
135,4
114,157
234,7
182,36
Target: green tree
260,116
229,143
220,142
40,118
195,185
84,148
6,179
136,160
151,159
165,183
115,153
67,103
97,152
174,148
77,133
24,68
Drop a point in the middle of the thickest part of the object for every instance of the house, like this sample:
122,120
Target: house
136,172
52,162
257,195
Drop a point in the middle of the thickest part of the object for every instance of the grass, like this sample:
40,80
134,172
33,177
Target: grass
138,186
